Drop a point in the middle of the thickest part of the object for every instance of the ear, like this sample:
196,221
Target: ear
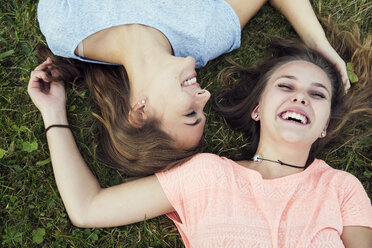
137,115
255,114
326,126
324,132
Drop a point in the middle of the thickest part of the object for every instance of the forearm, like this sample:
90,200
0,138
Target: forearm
303,19
76,183
357,236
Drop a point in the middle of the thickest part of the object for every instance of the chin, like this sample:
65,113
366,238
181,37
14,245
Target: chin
294,139
190,143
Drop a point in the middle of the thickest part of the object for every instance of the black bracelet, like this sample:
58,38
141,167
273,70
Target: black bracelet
56,125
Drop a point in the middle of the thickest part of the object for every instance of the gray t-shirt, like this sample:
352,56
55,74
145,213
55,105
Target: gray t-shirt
203,29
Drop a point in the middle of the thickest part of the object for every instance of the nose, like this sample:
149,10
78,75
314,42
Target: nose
190,61
202,96
299,98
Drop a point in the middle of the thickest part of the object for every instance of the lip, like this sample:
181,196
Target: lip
297,111
188,78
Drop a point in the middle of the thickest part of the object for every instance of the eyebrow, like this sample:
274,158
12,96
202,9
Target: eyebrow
321,86
195,123
314,84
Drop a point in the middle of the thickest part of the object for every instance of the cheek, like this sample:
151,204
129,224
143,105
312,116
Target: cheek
177,105
270,102
324,114
189,138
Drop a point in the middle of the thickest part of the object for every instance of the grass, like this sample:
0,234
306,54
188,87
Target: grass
32,213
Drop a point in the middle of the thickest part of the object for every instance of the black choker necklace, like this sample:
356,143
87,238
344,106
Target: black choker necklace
258,159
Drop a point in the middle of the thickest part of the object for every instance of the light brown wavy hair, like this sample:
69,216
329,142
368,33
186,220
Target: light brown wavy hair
135,151
236,103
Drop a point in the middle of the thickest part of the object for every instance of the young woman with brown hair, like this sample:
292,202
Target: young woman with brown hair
279,196
152,106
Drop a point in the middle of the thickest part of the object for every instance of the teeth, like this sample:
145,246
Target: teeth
294,115
190,81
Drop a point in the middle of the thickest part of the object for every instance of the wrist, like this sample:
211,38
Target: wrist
317,41
56,126
55,117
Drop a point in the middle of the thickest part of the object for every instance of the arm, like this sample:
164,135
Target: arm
303,19
87,204
356,212
357,236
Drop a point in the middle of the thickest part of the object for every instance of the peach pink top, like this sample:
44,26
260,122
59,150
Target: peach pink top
219,203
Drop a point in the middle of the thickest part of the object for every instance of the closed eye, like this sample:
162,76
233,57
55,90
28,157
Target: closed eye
191,114
285,86
318,95
194,123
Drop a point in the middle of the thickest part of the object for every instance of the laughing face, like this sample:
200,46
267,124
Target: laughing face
178,102
295,105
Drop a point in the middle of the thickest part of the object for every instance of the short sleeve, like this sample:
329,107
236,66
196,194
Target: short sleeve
189,187
356,207
171,182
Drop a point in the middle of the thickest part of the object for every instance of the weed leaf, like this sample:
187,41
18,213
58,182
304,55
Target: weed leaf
6,54
43,162
29,147
367,174
72,108
12,236
350,73
93,237
17,168
38,235
2,153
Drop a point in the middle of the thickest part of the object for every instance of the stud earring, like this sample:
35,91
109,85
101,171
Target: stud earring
139,103
322,134
255,116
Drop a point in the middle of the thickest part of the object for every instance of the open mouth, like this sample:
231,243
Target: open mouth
189,82
296,117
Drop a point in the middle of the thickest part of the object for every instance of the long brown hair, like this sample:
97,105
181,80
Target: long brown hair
236,103
135,151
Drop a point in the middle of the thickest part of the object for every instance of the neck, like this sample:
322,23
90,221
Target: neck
289,153
293,154
142,49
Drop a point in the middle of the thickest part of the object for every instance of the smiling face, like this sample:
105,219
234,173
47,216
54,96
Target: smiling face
178,102
295,105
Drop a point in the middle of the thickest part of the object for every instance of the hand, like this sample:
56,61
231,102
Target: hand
301,15
48,96
328,52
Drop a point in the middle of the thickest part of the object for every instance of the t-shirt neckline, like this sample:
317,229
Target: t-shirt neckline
291,177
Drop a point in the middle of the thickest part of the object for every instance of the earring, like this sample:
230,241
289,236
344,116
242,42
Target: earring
141,102
323,134
255,116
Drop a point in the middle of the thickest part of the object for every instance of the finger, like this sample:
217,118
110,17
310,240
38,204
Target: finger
345,80
38,75
347,86
43,65
341,67
54,73
37,79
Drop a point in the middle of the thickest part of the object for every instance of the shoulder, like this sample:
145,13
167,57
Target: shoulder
200,166
343,181
201,173
200,162
325,169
